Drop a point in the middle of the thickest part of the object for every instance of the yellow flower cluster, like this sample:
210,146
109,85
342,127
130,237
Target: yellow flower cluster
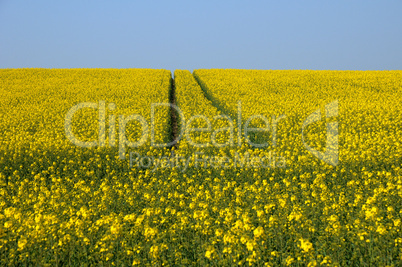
66,205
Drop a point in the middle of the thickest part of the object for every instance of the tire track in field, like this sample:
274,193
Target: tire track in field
214,101
173,115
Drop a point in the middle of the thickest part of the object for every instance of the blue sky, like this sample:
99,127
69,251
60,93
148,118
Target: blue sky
356,35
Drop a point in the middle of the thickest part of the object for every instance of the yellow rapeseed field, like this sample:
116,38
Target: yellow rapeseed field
220,197
61,203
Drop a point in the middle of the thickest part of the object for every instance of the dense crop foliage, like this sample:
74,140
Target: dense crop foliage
61,203
347,214
222,203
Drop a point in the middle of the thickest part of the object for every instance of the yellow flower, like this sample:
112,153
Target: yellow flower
154,250
250,245
22,243
115,229
218,232
289,260
326,260
8,224
381,229
312,263
259,231
371,213
209,253
136,262
306,245
150,232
